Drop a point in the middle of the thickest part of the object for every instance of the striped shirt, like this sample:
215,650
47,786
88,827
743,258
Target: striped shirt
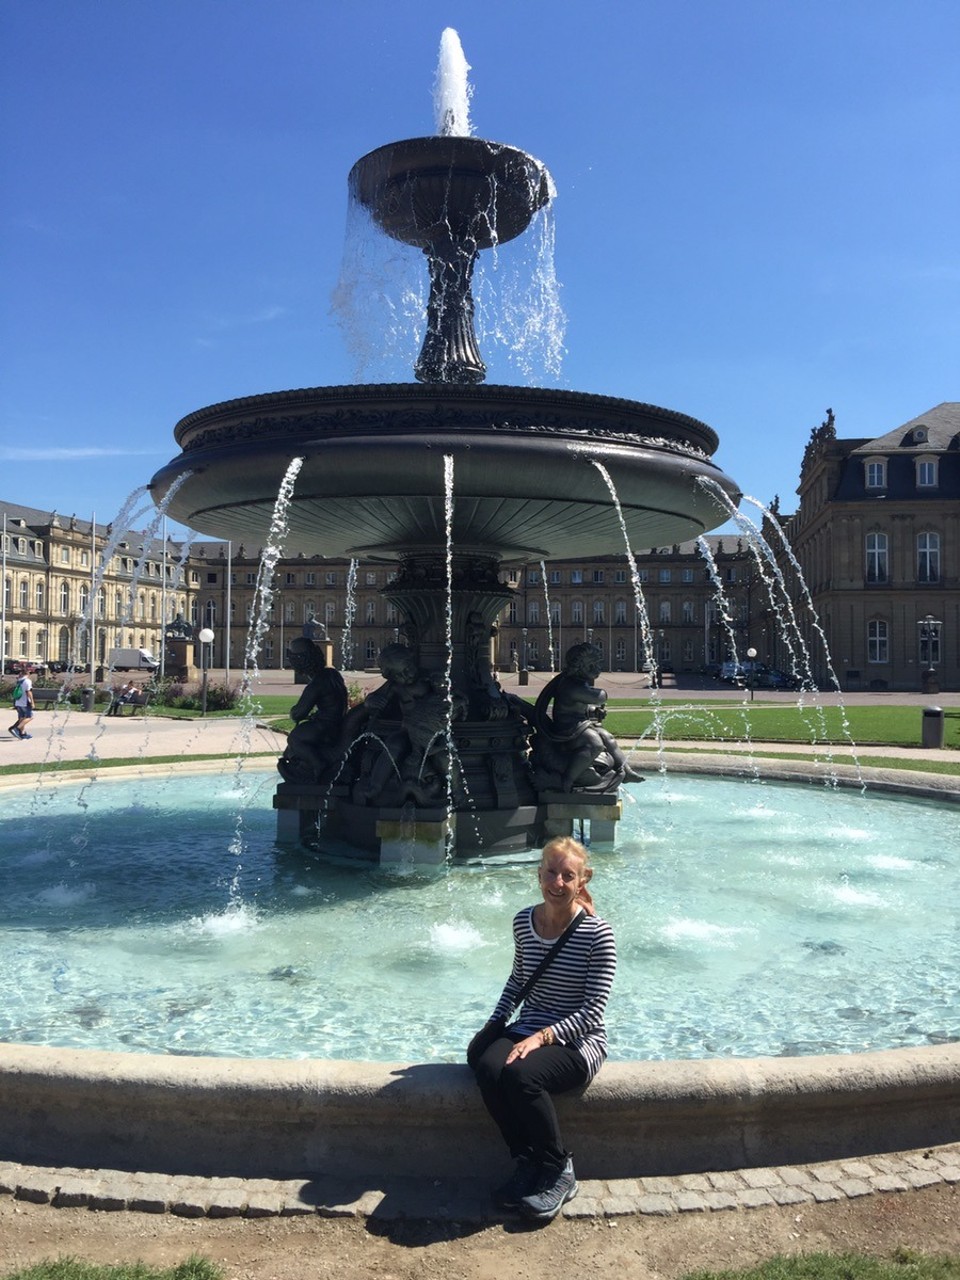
571,995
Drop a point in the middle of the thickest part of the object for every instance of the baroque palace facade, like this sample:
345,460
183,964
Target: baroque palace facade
876,533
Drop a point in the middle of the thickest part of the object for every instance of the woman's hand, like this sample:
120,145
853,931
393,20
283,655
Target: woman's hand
524,1047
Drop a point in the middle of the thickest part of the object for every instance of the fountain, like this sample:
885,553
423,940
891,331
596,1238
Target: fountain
448,478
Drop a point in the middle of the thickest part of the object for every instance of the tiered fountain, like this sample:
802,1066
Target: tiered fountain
448,478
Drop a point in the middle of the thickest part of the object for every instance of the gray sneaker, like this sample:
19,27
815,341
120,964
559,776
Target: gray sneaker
520,1183
553,1188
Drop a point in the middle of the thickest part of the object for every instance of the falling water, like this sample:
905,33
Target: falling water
781,604
349,613
546,605
452,90
646,633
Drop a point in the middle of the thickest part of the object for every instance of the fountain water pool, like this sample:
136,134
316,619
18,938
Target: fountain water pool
752,919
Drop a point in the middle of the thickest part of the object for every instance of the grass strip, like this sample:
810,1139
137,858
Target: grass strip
120,762
945,767
65,1268
904,1264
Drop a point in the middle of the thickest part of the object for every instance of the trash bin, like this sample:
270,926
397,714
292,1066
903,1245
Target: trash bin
932,728
86,699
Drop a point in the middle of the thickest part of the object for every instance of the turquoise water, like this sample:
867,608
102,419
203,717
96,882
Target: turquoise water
751,919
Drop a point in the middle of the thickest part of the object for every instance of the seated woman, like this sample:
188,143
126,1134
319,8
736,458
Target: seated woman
558,1041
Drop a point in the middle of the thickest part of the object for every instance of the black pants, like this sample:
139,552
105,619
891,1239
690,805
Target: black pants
518,1096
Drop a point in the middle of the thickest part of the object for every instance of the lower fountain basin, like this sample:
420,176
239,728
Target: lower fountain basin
372,482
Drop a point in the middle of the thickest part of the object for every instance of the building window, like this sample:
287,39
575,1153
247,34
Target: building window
513,576
620,611
688,613
329,612
370,652
290,611
927,473
24,593
392,615
370,612
533,577
576,577
555,612
310,579
38,596
533,612
512,612
64,555
371,579
643,575
576,611
64,598
84,598
598,576
876,473
664,610
877,641
23,643
330,578
877,566
686,575
928,557
251,579
289,579
555,577
663,575
597,612
619,576
621,651
210,613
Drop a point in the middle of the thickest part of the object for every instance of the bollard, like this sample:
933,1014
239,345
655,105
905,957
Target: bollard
932,728
86,699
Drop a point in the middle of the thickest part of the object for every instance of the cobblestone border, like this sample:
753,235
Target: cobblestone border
468,1200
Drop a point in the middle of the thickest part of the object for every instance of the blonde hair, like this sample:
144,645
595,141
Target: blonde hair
568,848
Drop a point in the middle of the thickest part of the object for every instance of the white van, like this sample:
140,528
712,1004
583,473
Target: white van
132,660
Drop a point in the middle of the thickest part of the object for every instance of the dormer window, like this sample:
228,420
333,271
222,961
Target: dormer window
920,435
876,473
926,473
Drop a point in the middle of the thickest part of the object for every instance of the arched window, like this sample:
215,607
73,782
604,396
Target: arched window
101,603
23,642
39,595
664,611
329,612
210,613
24,593
64,598
876,550
533,612
153,606
118,605
597,611
576,611
688,611
878,644
370,612
84,598
928,557
620,611
555,612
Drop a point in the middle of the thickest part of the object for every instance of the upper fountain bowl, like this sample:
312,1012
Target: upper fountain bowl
426,191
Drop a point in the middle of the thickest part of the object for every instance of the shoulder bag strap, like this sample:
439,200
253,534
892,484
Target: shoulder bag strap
551,954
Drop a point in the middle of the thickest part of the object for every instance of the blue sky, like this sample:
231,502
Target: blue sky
757,209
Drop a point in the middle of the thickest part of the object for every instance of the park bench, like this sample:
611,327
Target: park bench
45,697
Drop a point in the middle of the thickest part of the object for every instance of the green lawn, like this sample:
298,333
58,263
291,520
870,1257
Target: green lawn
780,722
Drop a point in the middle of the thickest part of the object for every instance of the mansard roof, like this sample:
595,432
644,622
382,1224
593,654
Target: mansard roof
942,433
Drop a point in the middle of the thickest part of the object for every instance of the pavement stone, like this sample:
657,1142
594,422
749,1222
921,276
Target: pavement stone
468,1200
754,1197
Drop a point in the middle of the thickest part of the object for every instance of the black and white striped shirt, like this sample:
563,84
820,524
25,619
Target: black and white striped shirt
571,995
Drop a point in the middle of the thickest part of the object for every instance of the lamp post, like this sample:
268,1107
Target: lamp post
752,673
929,632
206,640
524,676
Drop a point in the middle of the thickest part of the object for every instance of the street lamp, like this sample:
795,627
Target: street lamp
206,640
929,629
524,677
752,673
